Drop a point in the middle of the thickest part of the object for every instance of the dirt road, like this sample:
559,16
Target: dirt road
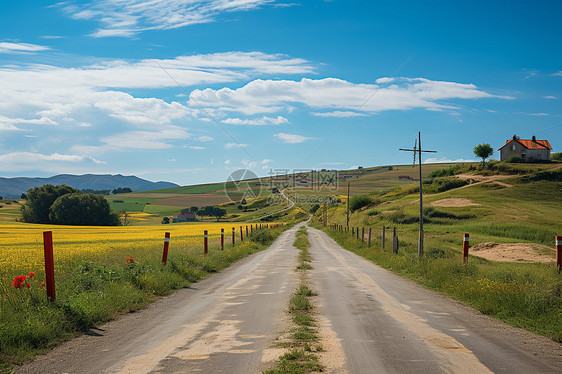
224,324
371,321
387,324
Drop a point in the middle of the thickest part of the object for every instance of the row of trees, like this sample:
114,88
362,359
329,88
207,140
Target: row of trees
211,211
115,191
64,205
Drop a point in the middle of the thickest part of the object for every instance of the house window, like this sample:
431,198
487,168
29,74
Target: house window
513,147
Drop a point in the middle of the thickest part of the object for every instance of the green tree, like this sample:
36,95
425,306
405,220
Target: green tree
39,201
194,209
219,213
165,220
82,209
484,151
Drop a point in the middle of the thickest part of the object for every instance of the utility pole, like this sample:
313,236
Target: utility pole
348,204
420,238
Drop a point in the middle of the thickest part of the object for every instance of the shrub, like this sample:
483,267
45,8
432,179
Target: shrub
556,156
360,201
514,160
446,172
553,176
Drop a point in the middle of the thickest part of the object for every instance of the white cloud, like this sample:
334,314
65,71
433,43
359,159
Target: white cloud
136,140
338,113
265,163
204,138
256,121
291,138
227,162
267,96
55,95
128,17
550,97
29,161
21,48
557,74
234,145
195,147
51,37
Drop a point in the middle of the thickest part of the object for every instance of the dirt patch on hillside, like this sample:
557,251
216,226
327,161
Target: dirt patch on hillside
453,202
514,252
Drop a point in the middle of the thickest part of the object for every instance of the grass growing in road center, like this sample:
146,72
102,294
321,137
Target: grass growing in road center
301,357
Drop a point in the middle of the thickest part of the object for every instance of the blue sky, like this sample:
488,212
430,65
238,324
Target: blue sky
188,91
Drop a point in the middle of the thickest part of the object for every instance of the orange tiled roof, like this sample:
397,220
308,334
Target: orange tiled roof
529,144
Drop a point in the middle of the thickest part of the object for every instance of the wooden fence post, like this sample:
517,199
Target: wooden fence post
362,235
166,244
465,248
49,265
206,241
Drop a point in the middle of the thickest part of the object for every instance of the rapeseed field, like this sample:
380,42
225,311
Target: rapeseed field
101,272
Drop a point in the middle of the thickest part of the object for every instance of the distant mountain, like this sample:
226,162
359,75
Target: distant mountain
14,187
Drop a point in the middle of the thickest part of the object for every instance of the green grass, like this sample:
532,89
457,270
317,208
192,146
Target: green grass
163,210
301,359
96,291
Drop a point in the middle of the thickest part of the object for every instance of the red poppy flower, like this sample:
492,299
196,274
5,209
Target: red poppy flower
130,260
27,285
18,281
42,284
31,275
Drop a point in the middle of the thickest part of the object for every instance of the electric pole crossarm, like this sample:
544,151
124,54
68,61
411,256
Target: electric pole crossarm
419,152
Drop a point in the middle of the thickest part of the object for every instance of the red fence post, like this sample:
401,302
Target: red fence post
222,239
559,252
465,248
206,241
49,265
233,237
166,244
241,235
246,231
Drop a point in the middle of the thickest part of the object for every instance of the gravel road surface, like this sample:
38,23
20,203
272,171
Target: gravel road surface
224,324
388,324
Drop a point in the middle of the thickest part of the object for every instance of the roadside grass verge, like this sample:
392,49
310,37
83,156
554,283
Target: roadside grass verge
95,286
304,339
521,294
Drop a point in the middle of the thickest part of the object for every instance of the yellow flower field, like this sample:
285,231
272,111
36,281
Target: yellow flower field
21,244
